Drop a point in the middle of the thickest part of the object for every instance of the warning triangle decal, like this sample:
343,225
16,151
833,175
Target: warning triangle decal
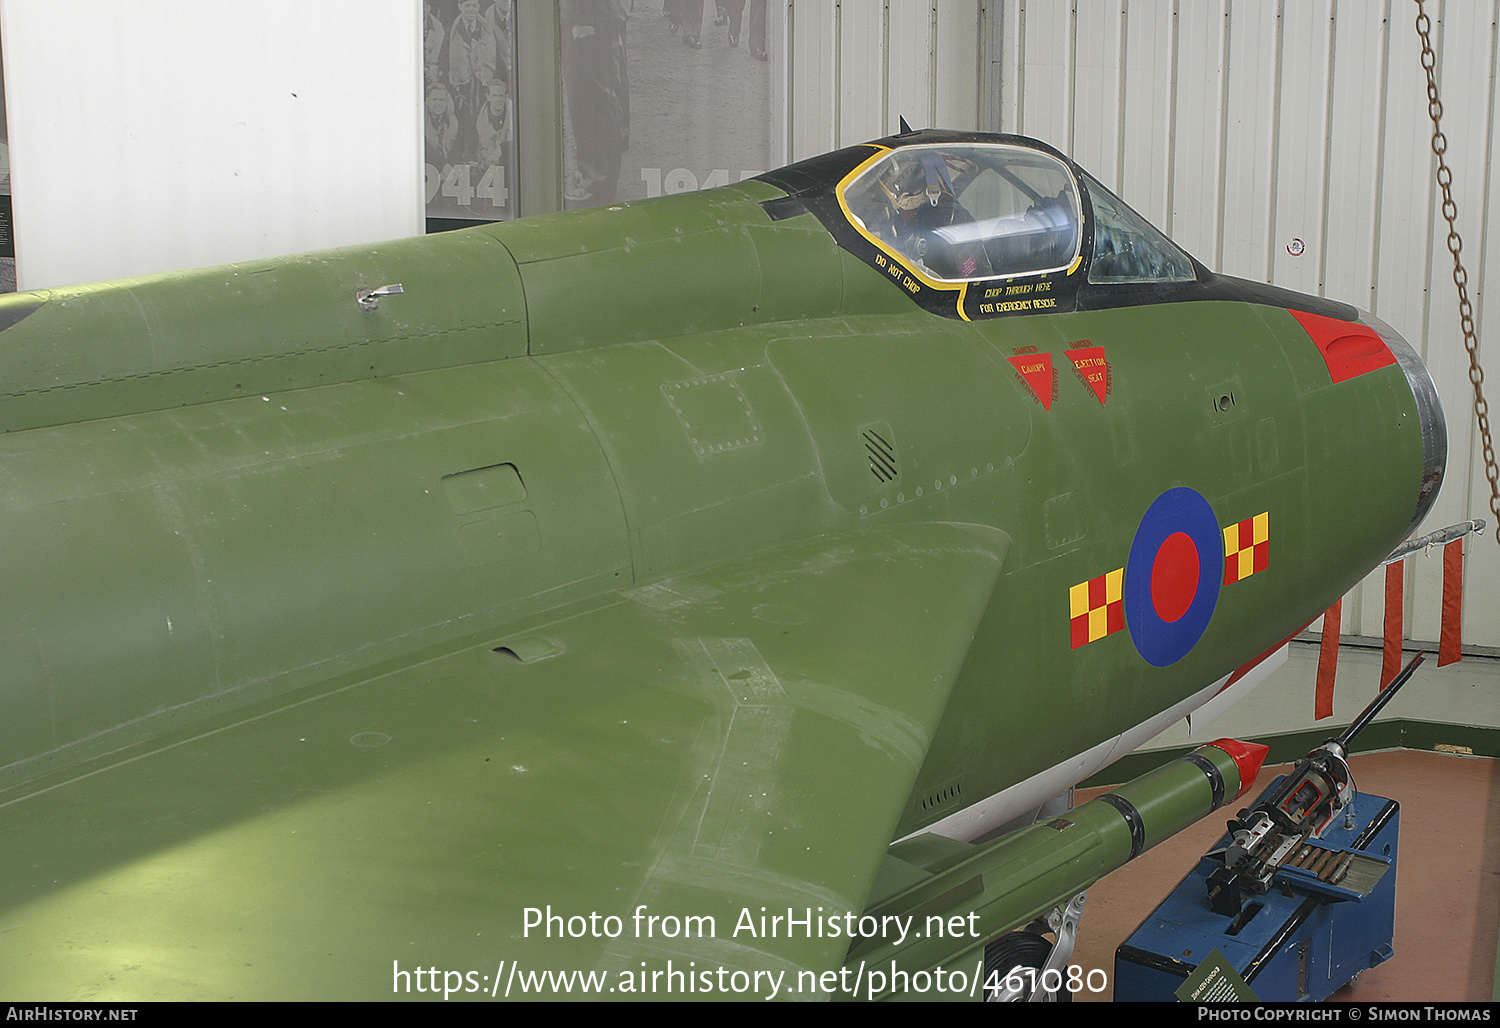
1035,370
1092,368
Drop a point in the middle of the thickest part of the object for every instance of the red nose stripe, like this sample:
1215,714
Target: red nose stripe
1348,348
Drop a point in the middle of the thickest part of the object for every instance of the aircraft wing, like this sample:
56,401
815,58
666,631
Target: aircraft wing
734,742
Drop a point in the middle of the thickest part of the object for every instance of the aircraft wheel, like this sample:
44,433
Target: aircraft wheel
1023,952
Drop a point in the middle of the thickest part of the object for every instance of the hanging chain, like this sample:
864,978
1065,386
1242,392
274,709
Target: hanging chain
1455,247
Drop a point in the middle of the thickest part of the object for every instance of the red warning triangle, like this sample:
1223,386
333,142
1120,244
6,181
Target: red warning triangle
1035,369
1092,368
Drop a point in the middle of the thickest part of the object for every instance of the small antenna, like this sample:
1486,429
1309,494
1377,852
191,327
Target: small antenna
906,129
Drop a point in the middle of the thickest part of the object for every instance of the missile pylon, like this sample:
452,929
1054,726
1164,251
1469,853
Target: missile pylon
976,892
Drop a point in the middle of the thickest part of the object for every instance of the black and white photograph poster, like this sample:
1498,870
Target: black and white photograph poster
468,110
662,96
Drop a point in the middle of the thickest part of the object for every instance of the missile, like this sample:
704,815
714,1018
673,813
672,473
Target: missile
976,892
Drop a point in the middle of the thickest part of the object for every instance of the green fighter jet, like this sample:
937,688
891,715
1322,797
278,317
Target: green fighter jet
668,599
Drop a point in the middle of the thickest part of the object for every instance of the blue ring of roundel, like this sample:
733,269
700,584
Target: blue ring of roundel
1180,509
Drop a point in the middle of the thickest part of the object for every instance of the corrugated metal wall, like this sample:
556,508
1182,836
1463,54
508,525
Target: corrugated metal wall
851,69
1241,125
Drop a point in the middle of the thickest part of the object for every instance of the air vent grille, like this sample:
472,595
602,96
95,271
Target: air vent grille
882,454
943,796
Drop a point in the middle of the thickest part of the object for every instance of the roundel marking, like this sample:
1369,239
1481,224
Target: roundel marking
1173,576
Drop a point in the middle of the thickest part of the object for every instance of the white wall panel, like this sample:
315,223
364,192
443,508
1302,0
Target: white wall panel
812,100
1346,262
1238,125
174,133
861,64
1301,145
909,91
1010,70
1147,98
856,67
954,65
1249,138
1098,58
1482,246
1197,168
1048,38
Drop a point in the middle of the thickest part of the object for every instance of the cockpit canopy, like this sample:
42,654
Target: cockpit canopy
970,211
963,212
1129,249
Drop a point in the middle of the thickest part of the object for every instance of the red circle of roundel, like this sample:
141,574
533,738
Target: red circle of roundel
1174,577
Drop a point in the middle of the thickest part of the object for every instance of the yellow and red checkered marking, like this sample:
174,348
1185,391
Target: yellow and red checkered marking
1247,548
1097,607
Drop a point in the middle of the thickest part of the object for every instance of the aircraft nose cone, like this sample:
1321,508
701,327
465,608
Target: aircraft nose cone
1429,413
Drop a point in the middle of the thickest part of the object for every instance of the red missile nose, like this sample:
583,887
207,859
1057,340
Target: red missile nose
1247,756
